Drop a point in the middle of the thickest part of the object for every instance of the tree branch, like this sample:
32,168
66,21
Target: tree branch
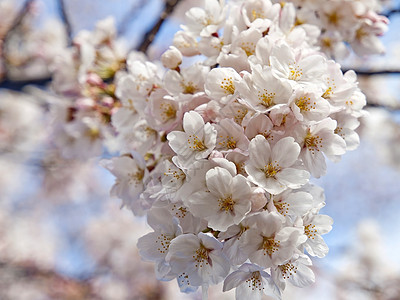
151,34
392,12
65,20
19,85
372,73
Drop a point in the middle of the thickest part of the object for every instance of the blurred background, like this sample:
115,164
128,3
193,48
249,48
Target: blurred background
63,237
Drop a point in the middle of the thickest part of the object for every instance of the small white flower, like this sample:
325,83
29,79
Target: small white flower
275,169
314,227
221,84
296,271
199,258
269,242
131,173
154,245
317,138
251,282
225,203
196,142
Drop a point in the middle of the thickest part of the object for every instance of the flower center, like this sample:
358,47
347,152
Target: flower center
189,87
168,111
312,142
295,72
304,103
271,170
228,86
163,242
195,143
248,47
282,207
257,15
255,281
137,177
287,270
226,204
269,245
310,231
266,99
201,257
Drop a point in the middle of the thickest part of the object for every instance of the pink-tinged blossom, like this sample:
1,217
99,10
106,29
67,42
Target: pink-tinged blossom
205,22
261,124
317,139
255,12
269,242
186,43
296,271
131,173
230,136
221,84
261,90
275,169
251,282
163,111
316,225
225,202
305,70
198,258
307,105
187,81
196,141
346,126
154,246
291,203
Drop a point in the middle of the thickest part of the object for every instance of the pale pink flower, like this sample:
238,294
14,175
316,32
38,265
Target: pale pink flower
225,202
275,169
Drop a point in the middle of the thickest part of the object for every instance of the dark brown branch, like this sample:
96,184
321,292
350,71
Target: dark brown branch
392,12
371,73
19,85
386,107
65,20
151,34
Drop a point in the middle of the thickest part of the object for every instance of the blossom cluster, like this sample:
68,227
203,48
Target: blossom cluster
84,87
218,154
356,23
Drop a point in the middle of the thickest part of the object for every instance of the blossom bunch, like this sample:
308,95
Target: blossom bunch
218,154
355,23
84,87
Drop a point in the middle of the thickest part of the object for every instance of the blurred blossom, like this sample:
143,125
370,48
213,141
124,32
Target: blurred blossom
370,274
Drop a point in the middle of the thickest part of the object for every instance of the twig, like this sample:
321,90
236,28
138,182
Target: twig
372,73
392,12
19,85
65,20
386,107
151,34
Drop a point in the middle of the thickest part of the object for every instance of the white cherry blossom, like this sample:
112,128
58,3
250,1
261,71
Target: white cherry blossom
197,141
226,201
275,169
251,282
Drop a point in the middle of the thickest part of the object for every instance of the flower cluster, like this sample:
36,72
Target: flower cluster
224,148
83,81
342,22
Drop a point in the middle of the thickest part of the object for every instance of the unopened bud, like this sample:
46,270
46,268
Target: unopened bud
171,58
